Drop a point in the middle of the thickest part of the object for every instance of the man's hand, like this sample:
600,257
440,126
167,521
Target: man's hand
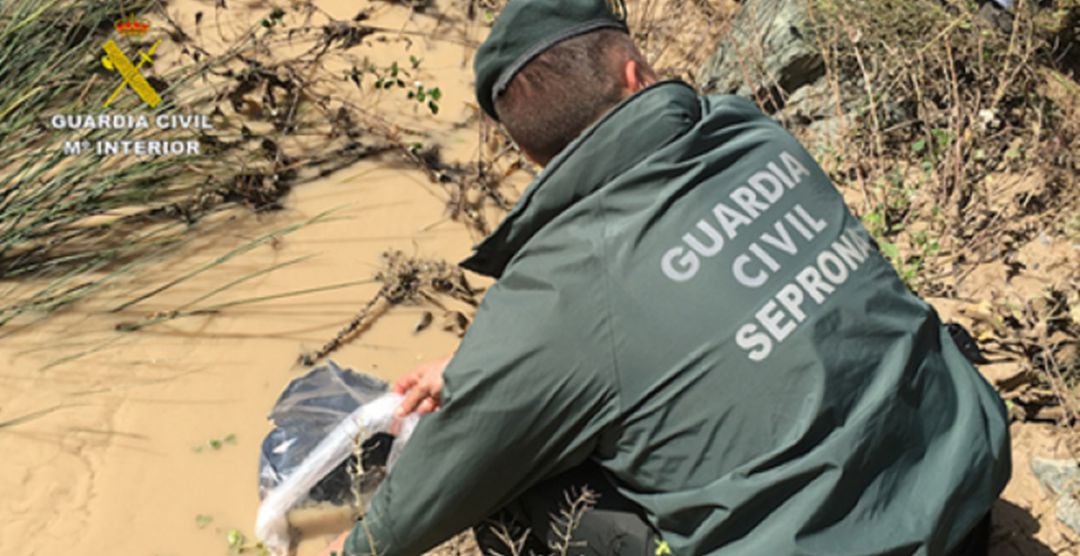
336,548
422,388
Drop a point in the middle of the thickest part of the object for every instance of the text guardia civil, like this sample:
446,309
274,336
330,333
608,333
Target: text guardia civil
125,122
791,233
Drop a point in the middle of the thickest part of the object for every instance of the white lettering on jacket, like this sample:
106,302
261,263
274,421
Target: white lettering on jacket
746,203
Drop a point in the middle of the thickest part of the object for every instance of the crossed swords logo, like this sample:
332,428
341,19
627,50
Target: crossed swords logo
115,60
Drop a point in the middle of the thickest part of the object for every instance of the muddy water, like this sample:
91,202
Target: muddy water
120,459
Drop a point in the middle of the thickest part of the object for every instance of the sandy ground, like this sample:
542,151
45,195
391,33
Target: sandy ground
123,463
119,462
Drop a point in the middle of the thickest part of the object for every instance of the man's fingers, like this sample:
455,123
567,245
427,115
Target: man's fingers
412,399
427,406
406,382
408,404
423,382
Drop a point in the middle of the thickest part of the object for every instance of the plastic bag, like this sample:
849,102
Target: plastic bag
305,460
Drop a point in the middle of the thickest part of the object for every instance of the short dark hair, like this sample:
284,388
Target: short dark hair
564,90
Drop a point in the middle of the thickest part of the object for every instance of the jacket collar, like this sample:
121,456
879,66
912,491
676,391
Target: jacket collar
627,134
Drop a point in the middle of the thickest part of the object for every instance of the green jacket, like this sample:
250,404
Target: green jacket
684,298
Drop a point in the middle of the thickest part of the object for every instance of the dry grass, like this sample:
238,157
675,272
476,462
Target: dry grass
959,143
72,224
677,36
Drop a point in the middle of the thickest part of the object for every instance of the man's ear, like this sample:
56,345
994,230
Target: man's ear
636,77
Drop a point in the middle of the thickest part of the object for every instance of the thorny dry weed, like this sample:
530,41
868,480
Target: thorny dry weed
366,472
407,281
576,503
516,539
512,539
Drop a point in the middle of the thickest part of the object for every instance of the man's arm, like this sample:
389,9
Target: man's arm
526,396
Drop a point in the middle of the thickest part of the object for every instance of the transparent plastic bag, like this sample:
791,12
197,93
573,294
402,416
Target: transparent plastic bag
305,460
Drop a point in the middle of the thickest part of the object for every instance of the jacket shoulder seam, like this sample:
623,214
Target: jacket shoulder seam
599,253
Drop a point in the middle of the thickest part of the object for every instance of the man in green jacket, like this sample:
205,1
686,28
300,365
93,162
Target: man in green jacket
686,312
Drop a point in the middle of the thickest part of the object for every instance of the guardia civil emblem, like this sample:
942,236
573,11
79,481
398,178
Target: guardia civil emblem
116,60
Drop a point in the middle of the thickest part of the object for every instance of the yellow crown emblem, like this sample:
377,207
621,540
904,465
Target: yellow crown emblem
132,27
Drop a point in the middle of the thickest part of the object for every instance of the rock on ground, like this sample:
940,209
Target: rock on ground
769,48
1062,478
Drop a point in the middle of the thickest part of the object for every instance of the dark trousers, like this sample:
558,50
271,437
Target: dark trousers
614,526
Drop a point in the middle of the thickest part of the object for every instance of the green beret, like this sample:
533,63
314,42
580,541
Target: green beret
526,28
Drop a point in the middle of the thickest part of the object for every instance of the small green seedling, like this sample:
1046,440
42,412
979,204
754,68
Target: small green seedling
430,95
236,540
216,443
238,544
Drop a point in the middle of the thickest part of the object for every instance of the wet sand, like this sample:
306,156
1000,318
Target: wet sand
122,461
124,464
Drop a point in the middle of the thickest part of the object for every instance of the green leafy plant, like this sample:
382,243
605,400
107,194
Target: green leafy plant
395,76
428,95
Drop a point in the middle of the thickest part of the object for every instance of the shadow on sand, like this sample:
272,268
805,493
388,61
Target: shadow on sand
1014,532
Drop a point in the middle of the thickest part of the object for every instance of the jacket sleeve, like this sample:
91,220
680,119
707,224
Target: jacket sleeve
526,396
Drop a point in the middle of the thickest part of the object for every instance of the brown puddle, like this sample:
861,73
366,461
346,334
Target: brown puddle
147,442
